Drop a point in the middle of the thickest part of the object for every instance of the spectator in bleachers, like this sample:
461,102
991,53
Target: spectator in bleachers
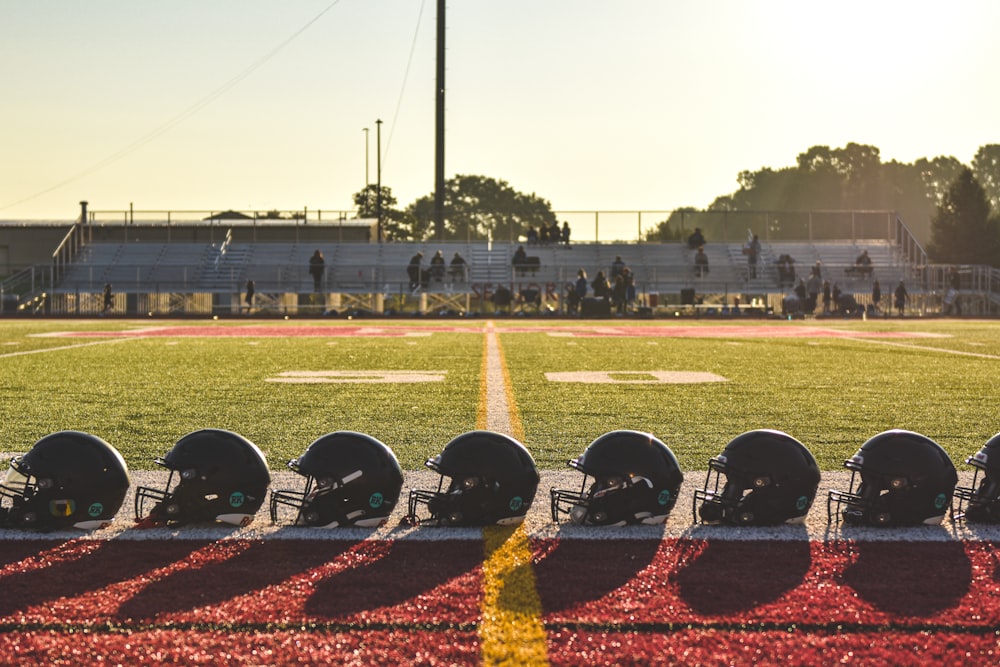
601,286
813,286
827,299
532,235
863,264
629,279
786,270
250,290
700,263
543,234
554,232
581,285
414,272
618,293
565,233
617,266
752,251
317,266
520,256
458,267
836,297
901,295
876,295
696,239
800,291
437,266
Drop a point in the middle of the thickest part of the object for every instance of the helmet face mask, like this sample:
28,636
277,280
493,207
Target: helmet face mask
770,478
492,481
351,479
980,501
68,479
215,475
629,477
898,478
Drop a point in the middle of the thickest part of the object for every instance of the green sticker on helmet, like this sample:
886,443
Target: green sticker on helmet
664,497
375,500
515,503
236,499
940,501
801,503
95,510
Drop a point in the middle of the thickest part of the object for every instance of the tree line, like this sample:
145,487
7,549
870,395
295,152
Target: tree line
953,209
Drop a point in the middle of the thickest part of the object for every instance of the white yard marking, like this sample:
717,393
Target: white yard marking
341,377
635,377
69,347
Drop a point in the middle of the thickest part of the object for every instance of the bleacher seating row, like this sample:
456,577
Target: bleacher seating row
358,267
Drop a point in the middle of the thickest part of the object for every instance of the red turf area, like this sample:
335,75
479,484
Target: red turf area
619,602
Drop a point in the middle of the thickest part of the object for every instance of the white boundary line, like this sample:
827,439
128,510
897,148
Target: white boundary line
978,355
70,347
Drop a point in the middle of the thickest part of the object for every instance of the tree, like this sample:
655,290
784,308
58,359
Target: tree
396,224
986,167
475,206
961,231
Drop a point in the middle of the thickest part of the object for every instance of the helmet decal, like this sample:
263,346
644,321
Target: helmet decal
236,499
664,497
940,501
515,503
801,503
375,500
95,509
62,507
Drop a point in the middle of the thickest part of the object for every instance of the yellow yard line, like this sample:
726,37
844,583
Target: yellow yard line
511,631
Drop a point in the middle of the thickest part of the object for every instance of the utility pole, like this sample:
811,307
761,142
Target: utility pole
439,127
378,170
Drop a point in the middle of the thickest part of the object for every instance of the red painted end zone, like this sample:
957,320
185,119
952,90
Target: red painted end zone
603,602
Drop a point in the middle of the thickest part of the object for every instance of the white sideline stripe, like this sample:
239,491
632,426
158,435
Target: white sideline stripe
925,348
392,377
635,377
71,347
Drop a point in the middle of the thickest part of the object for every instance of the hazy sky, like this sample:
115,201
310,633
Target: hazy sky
610,105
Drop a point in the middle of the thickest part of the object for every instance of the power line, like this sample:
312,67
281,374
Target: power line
182,116
406,77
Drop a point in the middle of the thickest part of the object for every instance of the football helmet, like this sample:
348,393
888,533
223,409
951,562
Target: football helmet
352,479
980,502
215,475
68,479
771,478
493,481
636,479
906,479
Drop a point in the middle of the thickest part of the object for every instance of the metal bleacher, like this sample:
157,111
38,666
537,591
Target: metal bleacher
664,269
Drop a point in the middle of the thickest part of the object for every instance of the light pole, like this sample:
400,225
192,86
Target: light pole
378,171
365,130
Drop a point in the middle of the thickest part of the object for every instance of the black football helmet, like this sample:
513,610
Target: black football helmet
980,502
493,481
220,476
907,479
636,480
69,479
771,478
352,479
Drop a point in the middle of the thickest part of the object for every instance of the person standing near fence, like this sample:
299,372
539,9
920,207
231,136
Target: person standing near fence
109,298
250,290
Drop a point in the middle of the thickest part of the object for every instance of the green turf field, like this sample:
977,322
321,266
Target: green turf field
141,394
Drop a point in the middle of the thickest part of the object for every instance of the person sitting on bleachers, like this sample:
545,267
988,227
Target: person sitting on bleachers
601,286
437,266
520,256
458,267
697,239
863,264
786,270
700,263
617,266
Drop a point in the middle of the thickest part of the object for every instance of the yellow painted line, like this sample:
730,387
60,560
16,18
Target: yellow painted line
511,631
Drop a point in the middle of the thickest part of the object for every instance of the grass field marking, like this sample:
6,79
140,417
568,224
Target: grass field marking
68,347
925,348
511,631
361,376
634,377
